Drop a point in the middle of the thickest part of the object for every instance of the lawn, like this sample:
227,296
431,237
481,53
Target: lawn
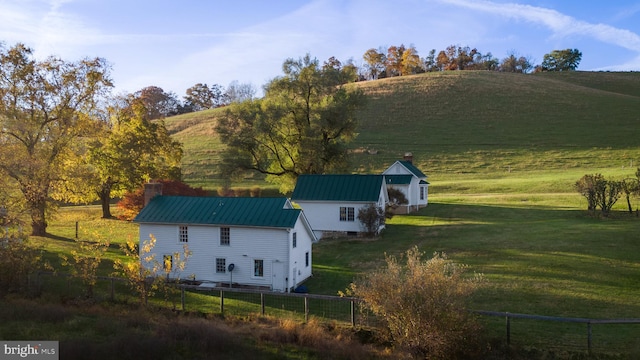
502,152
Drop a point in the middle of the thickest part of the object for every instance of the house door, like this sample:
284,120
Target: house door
295,274
278,280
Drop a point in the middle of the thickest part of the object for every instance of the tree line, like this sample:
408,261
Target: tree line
603,193
402,60
160,104
65,138
378,63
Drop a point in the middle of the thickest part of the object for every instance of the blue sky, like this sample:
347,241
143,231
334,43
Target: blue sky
176,44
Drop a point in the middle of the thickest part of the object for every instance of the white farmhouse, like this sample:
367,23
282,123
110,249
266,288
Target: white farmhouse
261,242
331,202
406,177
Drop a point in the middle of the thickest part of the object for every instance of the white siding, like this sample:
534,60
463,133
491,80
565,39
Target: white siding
246,245
397,169
412,192
325,216
425,201
297,255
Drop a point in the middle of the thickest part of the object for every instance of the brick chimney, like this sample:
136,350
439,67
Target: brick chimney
408,157
151,189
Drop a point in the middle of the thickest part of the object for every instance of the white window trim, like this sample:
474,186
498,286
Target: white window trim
225,266
253,270
183,239
348,210
229,236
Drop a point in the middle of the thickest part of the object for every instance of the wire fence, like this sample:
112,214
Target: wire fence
219,300
564,333
610,336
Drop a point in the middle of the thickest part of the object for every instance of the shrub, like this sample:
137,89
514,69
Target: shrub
19,258
372,217
133,202
599,192
85,260
423,305
147,275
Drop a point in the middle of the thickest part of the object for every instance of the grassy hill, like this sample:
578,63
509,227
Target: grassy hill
461,124
502,152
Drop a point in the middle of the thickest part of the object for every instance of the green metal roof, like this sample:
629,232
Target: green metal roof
398,179
230,211
409,165
338,187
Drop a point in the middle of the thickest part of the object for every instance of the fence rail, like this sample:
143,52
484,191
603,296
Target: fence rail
522,329
589,322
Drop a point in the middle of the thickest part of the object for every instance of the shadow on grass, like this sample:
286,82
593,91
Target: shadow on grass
541,260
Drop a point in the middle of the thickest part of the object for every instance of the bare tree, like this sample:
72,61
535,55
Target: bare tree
237,92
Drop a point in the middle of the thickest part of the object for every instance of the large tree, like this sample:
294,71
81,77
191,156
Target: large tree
159,104
47,110
133,150
238,92
300,126
394,60
411,62
375,62
201,97
516,64
561,60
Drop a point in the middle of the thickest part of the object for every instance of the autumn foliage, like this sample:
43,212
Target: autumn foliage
422,302
131,204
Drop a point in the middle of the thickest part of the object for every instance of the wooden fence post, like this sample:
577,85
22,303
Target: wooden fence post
221,302
262,303
353,312
306,309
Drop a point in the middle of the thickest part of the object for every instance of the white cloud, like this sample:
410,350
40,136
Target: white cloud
561,25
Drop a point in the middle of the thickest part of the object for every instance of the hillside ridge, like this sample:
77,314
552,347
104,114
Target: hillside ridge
464,121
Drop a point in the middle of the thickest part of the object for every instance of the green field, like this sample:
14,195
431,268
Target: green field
466,123
502,152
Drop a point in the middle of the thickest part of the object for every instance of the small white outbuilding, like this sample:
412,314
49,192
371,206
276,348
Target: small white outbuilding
258,242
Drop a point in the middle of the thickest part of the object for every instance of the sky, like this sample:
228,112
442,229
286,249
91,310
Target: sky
177,44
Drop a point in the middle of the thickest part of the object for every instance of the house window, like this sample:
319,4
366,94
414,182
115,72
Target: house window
347,213
221,265
167,263
295,240
258,268
421,193
225,236
306,259
183,234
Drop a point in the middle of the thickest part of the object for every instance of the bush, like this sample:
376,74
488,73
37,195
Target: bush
85,260
599,192
133,202
372,217
19,259
423,305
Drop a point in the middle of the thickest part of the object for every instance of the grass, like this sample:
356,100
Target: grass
542,256
117,331
468,122
502,152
